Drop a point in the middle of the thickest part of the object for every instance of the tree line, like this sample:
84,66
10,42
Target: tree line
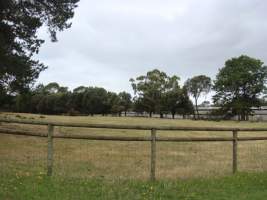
239,86
55,99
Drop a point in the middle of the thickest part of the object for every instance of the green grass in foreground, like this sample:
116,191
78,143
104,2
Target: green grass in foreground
238,187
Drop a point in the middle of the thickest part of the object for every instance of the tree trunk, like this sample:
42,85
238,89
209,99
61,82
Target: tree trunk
173,114
125,113
150,114
243,116
161,115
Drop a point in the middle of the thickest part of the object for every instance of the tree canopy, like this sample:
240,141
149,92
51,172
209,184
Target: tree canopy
156,92
152,88
197,86
19,22
125,101
239,84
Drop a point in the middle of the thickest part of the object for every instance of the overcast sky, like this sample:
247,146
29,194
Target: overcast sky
112,41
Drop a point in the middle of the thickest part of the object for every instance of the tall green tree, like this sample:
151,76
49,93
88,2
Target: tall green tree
125,100
185,106
113,104
197,86
178,102
19,22
172,101
138,105
151,89
172,98
95,100
75,101
239,84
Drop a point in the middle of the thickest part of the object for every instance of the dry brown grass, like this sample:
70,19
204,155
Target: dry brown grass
111,159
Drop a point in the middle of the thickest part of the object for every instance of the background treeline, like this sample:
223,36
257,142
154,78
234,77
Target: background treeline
238,87
55,99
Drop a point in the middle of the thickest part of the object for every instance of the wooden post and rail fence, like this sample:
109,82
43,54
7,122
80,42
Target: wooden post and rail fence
153,138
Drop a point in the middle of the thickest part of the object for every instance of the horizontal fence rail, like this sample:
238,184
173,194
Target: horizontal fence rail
153,138
133,127
131,138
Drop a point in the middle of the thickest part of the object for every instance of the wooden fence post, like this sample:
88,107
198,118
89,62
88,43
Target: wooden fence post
234,151
50,150
153,155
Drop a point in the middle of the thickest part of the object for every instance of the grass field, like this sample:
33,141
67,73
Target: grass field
39,187
122,168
